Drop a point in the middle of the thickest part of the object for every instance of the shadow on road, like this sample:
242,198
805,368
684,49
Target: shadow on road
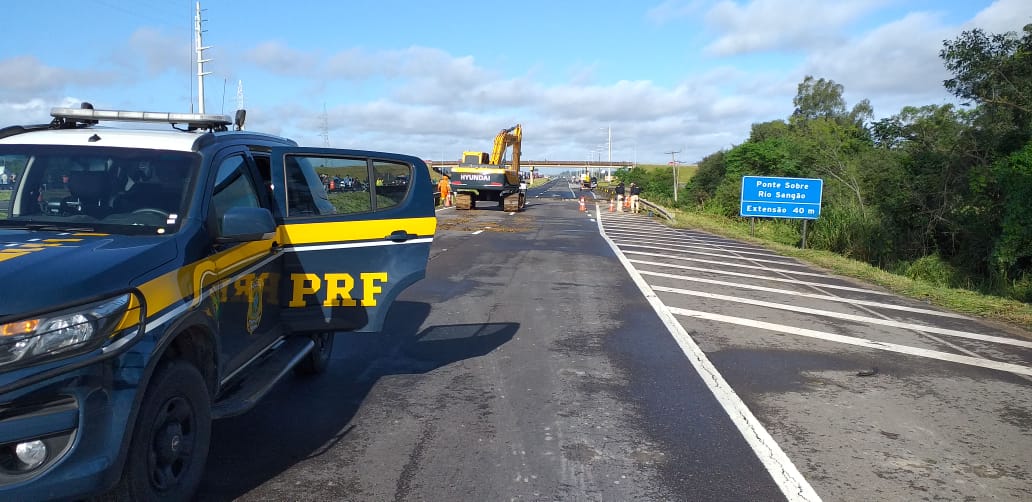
304,417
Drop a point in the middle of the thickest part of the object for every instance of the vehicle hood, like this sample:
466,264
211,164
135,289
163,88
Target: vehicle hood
42,269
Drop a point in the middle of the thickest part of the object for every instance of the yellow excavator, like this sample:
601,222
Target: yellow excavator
483,177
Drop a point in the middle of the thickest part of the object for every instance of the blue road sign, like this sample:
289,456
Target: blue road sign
769,197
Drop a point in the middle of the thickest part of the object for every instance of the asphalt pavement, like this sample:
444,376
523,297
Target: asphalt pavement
561,354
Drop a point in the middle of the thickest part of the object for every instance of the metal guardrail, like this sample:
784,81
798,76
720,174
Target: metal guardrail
650,206
659,209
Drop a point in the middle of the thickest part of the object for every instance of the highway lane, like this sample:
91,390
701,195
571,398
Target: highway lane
527,366
556,354
870,395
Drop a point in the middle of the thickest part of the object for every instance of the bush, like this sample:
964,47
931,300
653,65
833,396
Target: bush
933,270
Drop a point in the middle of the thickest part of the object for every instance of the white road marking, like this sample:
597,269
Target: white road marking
805,295
716,255
764,277
704,238
781,469
726,264
477,232
862,342
692,243
850,317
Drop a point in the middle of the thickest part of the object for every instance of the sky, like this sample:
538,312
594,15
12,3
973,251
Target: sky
627,80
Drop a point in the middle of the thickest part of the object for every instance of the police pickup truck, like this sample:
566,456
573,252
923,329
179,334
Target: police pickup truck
154,278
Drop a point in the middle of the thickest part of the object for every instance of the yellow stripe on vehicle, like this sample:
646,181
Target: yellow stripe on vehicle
191,281
343,231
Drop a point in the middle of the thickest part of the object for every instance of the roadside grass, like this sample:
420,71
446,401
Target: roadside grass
782,238
684,171
5,200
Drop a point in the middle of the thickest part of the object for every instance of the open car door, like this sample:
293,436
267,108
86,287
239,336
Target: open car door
355,228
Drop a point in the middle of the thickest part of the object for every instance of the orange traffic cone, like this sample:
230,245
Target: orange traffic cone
612,205
582,203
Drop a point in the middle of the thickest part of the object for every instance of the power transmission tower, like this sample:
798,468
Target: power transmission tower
240,95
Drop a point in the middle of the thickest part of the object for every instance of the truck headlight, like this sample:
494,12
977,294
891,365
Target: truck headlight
63,333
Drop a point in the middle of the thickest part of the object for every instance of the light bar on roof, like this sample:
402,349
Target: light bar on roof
194,119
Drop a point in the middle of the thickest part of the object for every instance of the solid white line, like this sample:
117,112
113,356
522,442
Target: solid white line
781,469
862,342
717,255
726,264
850,317
323,247
764,277
806,295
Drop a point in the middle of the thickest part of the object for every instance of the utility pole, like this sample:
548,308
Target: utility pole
200,48
609,142
673,164
325,127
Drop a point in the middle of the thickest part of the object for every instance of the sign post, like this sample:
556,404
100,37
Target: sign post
774,197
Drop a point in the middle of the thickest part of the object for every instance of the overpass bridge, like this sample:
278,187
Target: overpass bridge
567,164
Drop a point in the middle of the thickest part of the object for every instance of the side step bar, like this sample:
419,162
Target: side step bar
258,381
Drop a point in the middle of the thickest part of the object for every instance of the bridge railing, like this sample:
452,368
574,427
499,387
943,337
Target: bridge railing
651,207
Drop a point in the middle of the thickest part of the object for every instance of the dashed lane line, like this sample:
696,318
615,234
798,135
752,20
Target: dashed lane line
763,277
850,317
861,342
830,298
781,469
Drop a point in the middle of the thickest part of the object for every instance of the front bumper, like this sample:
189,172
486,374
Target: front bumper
82,416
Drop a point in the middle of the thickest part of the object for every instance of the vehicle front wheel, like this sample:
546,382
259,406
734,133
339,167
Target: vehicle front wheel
318,359
170,440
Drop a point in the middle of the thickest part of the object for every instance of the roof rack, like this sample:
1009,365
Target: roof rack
79,117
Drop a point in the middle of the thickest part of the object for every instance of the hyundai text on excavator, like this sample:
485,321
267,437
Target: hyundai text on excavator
480,177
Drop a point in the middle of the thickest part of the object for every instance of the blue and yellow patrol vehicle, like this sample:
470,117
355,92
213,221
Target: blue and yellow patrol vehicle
154,278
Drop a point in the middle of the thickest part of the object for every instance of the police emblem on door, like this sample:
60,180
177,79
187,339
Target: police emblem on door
255,303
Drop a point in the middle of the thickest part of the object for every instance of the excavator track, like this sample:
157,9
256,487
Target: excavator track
514,202
464,201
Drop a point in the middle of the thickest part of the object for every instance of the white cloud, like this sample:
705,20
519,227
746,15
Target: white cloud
894,65
158,52
769,25
1003,16
278,59
33,111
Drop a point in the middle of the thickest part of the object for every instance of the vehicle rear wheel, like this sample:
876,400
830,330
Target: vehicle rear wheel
316,362
170,440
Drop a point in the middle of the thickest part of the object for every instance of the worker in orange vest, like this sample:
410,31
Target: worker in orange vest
444,186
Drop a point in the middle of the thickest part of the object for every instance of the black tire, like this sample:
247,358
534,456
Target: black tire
170,440
316,362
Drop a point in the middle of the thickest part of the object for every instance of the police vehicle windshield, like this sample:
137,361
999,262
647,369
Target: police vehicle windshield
117,190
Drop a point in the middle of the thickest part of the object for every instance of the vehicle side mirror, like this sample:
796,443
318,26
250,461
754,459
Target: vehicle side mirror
241,224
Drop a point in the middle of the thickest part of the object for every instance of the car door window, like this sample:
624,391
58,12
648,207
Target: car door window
233,187
327,185
392,182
